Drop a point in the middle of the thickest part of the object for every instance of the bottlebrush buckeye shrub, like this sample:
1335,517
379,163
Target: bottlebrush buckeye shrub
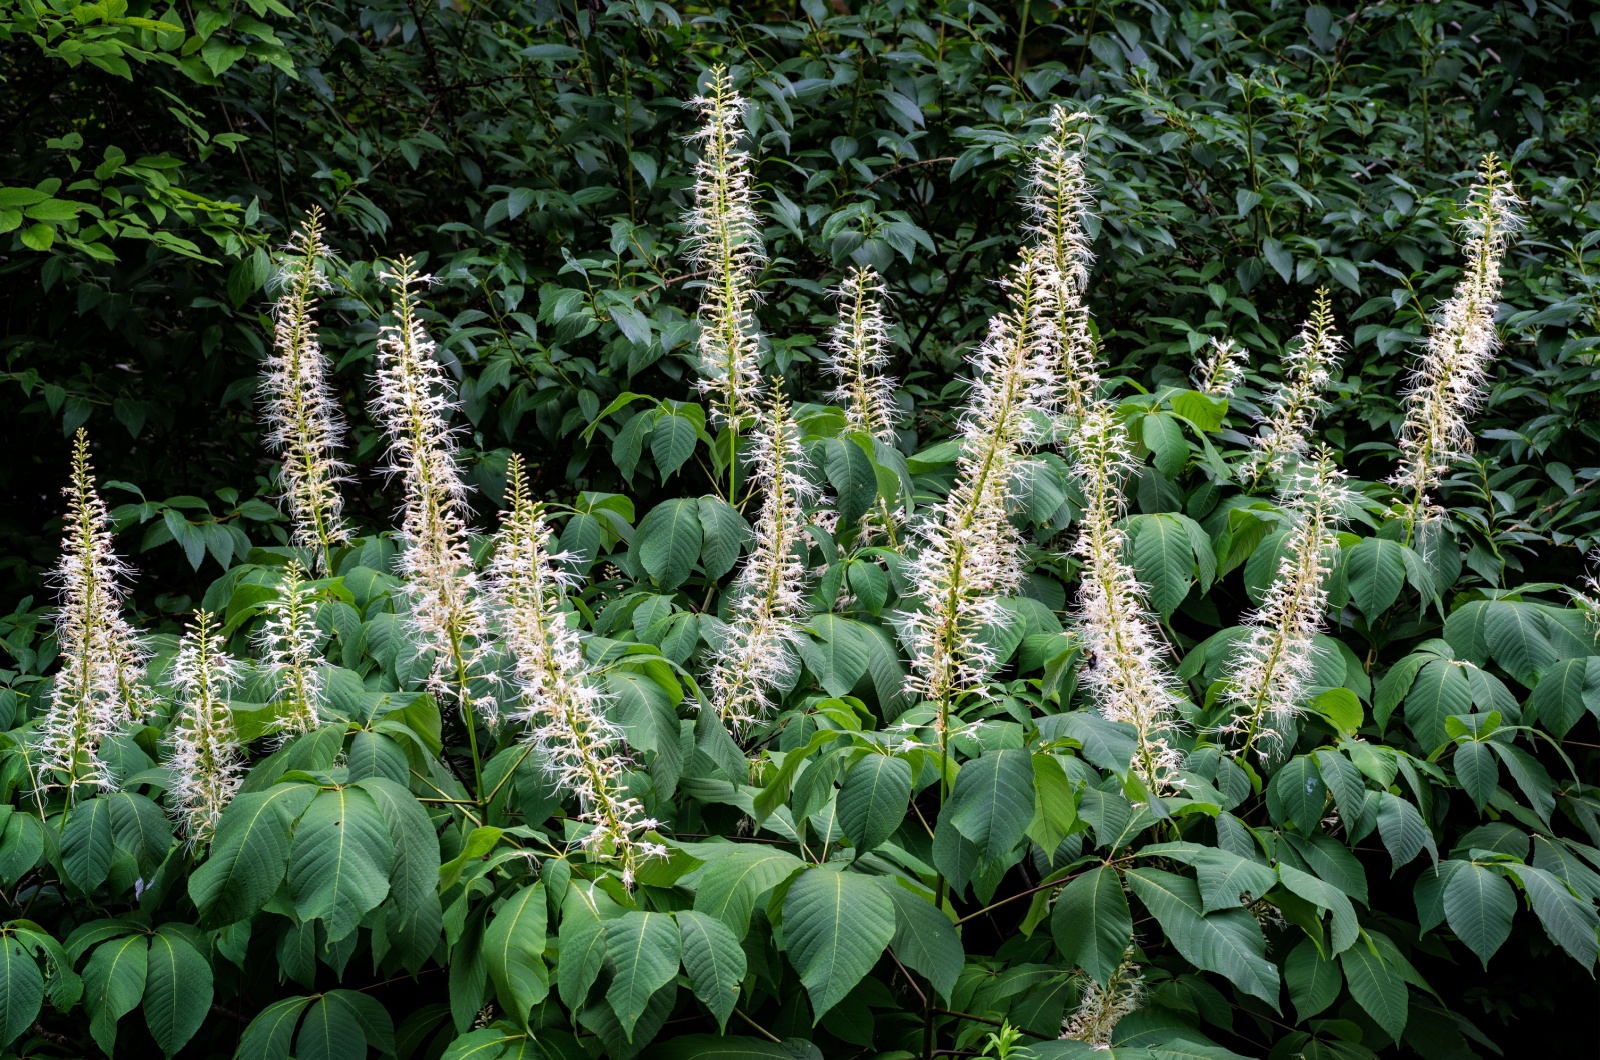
971,750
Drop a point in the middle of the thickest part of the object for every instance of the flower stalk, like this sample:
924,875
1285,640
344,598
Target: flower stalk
1218,373
858,352
97,694
759,653
206,767
1451,376
561,707
1309,364
302,415
413,402
291,649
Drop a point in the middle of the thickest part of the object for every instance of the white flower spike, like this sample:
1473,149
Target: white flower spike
1219,372
97,694
292,650
206,767
1309,365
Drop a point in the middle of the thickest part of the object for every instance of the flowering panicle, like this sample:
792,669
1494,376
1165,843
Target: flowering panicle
1059,201
561,706
206,766
302,416
291,649
1220,370
1101,1008
1450,377
97,694
725,245
971,555
759,652
1275,661
413,402
1127,673
857,354
1309,364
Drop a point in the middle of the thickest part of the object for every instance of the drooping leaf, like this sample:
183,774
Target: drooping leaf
924,939
177,993
513,948
113,983
873,800
1478,904
714,961
248,853
21,990
836,926
1313,980
1377,987
643,949
992,801
1091,923
1229,943
339,861
728,887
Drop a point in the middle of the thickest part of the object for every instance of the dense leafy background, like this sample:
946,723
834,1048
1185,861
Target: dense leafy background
534,153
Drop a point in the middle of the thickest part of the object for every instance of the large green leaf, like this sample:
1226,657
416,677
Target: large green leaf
723,533
672,442
728,887
88,844
414,916
268,1035
1516,638
850,473
113,983
1564,691
1440,690
1569,920
643,949
1226,879
992,802
21,990
714,960
248,853
177,993
1375,570
1163,557
1297,794
1377,987
836,925
513,948
331,1031
1313,979
1478,904
873,800
1229,943
140,829
1092,924
1404,832
667,541
339,860
924,938
839,656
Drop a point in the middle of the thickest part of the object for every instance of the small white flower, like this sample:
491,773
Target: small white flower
1217,373
206,768
1275,662
1450,378
724,243
971,556
1309,364
413,402
302,415
1126,673
560,704
858,351
1101,1009
760,651
98,693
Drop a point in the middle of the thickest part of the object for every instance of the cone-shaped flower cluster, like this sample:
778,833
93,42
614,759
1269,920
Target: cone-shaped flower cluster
97,692
1275,661
302,417
724,243
1126,673
759,652
1059,201
1100,1009
1450,378
858,351
1219,371
971,555
413,402
291,650
206,767
560,704
1295,405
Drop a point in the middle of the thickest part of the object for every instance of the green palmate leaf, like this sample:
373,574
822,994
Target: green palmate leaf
88,844
583,954
672,443
1375,570
1163,557
1229,943
177,993
21,990
339,861
723,533
513,948
1092,924
269,1034
668,540
643,950
331,1031
839,657
992,801
714,961
21,845
1377,987
1403,830
1055,803
850,473
372,754
1478,904
1564,691
873,800
1297,794
728,887
1325,896
924,939
1514,633
1227,880
248,853
414,915
139,828
1313,979
1440,690
113,983
836,926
